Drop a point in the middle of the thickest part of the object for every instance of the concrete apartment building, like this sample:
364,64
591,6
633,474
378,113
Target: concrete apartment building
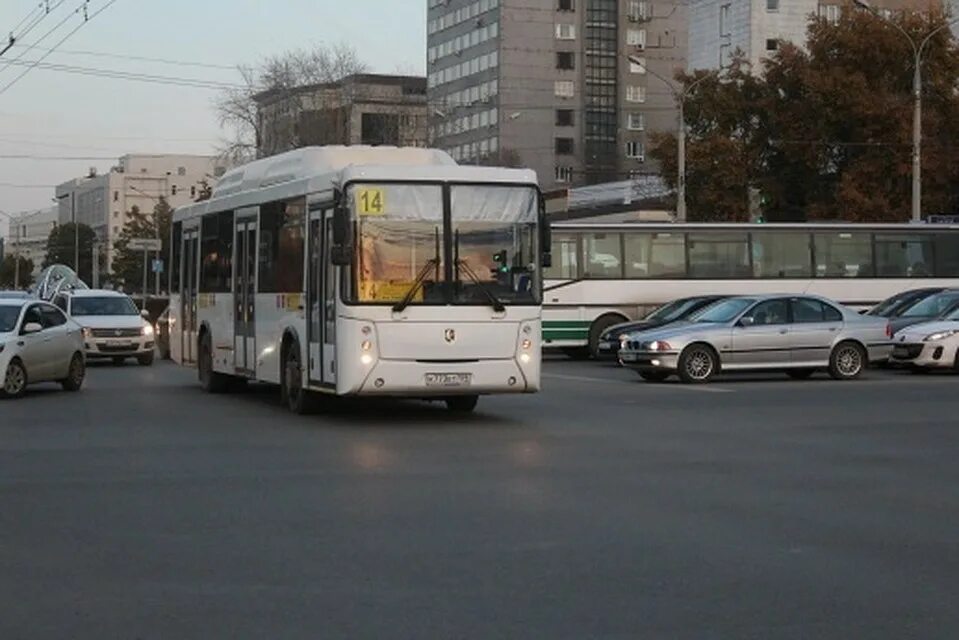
549,84
364,108
719,28
28,234
103,201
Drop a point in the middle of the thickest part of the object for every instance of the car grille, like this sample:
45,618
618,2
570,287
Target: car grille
907,351
116,333
109,348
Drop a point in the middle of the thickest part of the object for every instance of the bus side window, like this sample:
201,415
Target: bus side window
565,265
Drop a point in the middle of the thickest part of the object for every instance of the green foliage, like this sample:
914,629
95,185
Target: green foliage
824,132
61,249
8,273
128,263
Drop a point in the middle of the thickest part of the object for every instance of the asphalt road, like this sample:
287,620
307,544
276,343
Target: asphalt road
756,507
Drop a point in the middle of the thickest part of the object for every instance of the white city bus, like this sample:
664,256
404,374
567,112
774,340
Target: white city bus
357,271
602,274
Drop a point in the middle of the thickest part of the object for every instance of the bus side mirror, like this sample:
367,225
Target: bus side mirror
546,237
341,254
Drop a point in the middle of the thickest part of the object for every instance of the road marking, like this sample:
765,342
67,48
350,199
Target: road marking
692,387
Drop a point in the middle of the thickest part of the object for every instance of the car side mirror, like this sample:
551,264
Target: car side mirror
32,327
747,321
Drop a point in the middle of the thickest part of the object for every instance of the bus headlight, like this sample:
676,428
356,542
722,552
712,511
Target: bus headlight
524,358
366,358
366,345
527,344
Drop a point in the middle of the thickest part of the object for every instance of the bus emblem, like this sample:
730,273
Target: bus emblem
450,335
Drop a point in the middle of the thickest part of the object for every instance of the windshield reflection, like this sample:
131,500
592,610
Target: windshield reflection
725,311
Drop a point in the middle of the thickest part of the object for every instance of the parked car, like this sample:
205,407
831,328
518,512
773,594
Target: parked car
926,309
929,345
892,306
796,334
38,343
112,325
162,332
609,340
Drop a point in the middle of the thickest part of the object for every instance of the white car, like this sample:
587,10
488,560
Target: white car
930,345
112,325
38,343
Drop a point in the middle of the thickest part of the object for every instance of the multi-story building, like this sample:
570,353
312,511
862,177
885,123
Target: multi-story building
359,109
569,88
718,29
104,201
29,233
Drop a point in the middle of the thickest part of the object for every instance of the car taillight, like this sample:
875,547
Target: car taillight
888,330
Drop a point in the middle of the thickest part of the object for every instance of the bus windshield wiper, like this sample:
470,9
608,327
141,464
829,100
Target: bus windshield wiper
420,277
496,303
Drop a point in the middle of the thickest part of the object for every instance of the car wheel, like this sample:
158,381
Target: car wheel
119,362
210,380
847,362
146,360
14,380
299,400
462,404
75,375
653,376
697,364
800,374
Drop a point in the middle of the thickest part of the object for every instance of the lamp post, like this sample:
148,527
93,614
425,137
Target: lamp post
680,97
918,49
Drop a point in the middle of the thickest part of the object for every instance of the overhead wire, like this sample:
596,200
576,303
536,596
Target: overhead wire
132,76
119,56
46,10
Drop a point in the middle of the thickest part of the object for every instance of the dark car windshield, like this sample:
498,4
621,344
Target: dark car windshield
105,306
932,306
891,304
725,311
8,317
674,310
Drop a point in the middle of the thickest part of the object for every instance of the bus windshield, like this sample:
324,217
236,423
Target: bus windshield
405,253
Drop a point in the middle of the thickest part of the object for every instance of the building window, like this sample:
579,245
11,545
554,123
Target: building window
566,5
636,38
724,19
772,5
772,44
116,196
635,93
830,12
564,88
173,190
636,121
635,150
181,171
637,66
566,32
116,230
564,174
566,60
564,146
116,214
564,117
637,10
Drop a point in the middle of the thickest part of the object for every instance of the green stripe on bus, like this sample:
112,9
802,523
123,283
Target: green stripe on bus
565,324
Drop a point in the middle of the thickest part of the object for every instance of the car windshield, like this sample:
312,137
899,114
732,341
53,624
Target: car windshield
8,317
105,306
932,306
725,311
674,310
889,304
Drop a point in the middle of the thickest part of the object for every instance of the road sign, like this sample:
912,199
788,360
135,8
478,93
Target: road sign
158,266
145,244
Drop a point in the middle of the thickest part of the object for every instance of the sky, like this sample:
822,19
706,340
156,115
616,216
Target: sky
52,113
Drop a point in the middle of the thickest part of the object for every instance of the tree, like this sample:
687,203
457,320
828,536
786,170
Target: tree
61,245
824,132
127,262
8,272
237,110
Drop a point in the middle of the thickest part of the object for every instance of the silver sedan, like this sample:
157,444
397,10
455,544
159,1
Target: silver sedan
796,334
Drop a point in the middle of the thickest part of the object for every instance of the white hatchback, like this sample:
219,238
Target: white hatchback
930,345
112,325
38,343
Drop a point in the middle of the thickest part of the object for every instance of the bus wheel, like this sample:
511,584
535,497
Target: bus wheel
462,404
210,380
299,400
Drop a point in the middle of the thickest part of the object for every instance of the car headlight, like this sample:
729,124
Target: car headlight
87,332
939,335
147,330
658,345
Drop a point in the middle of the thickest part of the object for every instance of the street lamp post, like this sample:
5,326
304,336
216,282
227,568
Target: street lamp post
917,50
680,97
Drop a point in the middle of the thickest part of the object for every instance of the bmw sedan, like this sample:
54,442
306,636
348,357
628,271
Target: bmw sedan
38,343
609,340
796,334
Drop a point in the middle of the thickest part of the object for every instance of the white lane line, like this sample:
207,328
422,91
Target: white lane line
666,387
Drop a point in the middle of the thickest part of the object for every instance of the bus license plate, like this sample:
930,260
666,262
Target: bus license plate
448,379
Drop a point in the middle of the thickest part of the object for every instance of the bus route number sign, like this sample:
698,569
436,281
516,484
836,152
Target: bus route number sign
371,202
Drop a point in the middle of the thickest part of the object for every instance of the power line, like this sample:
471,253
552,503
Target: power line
119,56
29,16
86,19
132,76
6,64
45,10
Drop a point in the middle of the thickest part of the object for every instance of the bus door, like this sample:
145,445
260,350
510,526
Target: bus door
321,301
244,292
189,268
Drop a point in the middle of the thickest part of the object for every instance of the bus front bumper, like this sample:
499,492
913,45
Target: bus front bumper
439,379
